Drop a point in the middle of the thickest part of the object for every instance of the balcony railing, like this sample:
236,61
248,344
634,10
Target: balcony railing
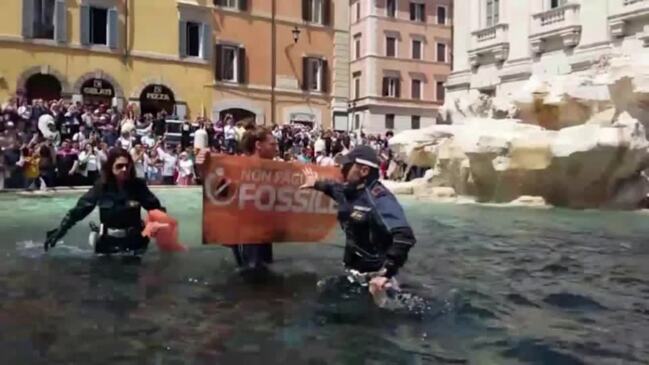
562,22
492,40
623,11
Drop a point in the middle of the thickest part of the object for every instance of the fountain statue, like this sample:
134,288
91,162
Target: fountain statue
577,140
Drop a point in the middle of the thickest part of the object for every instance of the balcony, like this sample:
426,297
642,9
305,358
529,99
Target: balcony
492,41
624,11
562,22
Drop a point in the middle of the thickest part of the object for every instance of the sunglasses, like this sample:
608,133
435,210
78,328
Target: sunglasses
120,166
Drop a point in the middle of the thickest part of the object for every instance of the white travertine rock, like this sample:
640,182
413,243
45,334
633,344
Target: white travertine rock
576,140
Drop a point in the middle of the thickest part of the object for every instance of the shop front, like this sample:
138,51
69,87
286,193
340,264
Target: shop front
97,91
155,98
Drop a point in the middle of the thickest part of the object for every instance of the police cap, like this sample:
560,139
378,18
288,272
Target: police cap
362,155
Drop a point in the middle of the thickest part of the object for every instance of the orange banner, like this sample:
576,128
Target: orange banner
251,200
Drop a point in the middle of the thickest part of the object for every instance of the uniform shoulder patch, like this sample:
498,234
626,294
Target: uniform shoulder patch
378,191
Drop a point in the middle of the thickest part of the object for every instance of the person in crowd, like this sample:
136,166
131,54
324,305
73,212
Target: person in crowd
169,159
230,135
125,141
66,157
378,236
154,168
47,165
185,134
140,161
13,163
258,143
185,170
160,124
87,166
120,197
30,167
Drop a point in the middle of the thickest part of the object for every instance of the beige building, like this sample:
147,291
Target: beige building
400,60
302,42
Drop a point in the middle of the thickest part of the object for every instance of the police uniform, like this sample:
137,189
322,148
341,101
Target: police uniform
378,236
119,214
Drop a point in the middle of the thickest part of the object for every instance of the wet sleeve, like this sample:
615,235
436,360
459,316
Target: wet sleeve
331,189
85,205
147,199
390,214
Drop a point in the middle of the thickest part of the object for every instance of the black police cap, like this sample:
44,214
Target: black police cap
362,155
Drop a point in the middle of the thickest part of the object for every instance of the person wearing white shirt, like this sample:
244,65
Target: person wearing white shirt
148,140
125,142
230,136
169,162
88,165
201,140
140,160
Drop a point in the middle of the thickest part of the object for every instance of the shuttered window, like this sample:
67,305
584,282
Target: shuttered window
99,26
195,39
418,12
440,91
392,8
230,63
232,4
392,87
389,121
493,12
415,122
390,47
415,91
315,74
441,15
316,11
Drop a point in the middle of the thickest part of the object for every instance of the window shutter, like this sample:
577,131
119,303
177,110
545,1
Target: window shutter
326,12
60,21
306,10
182,38
398,88
324,73
206,41
241,77
113,28
243,5
412,11
305,73
85,25
218,61
28,18
386,86
218,2
423,13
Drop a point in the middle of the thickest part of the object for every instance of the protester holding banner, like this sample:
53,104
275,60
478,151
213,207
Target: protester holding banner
257,143
378,236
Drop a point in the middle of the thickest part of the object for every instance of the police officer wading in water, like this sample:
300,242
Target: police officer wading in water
257,143
378,236
120,196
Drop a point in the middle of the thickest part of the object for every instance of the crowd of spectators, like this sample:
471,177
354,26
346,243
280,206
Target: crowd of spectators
53,143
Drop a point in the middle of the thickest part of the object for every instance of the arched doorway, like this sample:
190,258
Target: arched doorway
239,115
42,86
156,98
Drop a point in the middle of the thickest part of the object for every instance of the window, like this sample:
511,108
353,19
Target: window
357,46
230,63
390,46
418,12
98,26
415,122
416,49
357,121
193,39
389,121
441,15
391,8
441,52
315,74
392,87
557,3
232,4
415,92
357,88
493,12
440,91
315,11
44,19
358,11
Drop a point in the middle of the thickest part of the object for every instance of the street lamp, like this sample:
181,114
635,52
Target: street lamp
296,34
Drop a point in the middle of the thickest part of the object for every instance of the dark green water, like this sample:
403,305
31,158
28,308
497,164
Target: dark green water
502,286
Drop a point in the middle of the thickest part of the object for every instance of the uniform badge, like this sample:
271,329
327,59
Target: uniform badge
378,191
133,204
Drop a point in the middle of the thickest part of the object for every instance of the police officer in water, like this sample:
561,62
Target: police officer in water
120,197
378,236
